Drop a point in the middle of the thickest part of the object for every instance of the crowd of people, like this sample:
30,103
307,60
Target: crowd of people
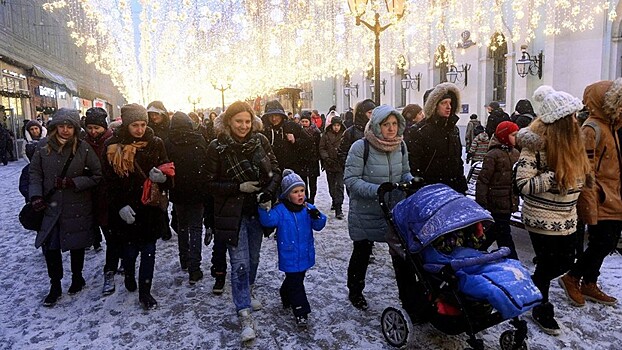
237,177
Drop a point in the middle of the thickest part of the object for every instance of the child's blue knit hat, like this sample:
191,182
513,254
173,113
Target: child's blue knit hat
289,182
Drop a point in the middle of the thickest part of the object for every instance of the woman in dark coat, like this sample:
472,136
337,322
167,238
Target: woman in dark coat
329,147
67,225
133,155
310,158
241,172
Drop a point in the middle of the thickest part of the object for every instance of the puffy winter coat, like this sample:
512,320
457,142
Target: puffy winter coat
545,210
362,180
229,202
479,147
496,116
71,209
100,201
468,137
310,158
434,145
187,149
604,200
288,154
127,190
494,190
353,133
329,147
294,235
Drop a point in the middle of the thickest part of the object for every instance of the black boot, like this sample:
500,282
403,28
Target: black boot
54,294
145,298
77,264
77,283
130,282
544,316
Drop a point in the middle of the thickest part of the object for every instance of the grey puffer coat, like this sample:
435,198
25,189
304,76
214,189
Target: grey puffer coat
71,209
362,179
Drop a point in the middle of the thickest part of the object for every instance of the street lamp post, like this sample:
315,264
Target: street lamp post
194,102
222,88
358,7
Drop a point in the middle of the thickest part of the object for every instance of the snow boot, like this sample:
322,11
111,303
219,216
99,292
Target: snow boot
302,321
338,213
77,284
145,298
358,301
109,286
247,324
54,294
130,282
255,303
195,276
219,285
543,316
591,292
571,285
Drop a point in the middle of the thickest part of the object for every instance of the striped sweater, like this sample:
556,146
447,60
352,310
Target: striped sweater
545,210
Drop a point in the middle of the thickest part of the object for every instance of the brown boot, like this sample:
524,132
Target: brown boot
571,286
591,292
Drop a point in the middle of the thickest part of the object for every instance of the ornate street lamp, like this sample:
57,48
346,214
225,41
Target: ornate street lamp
529,64
358,8
194,101
222,88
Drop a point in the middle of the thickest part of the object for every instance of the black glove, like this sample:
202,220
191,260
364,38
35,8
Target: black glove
386,187
264,197
38,203
314,213
63,183
267,231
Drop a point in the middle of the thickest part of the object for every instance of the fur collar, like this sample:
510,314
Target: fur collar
526,138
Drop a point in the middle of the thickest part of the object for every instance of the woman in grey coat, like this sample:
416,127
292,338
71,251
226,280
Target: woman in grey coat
68,222
386,161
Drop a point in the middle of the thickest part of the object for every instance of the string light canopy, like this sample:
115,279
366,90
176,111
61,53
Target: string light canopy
261,46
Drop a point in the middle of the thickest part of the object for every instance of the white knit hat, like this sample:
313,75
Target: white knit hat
555,105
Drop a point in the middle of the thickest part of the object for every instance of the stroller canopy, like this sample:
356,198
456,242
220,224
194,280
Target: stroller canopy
433,211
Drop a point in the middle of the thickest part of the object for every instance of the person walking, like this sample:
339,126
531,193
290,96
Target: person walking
386,161
600,207
329,146
62,173
310,169
470,130
362,113
496,115
134,155
494,190
550,173
295,220
187,149
434,147
241,173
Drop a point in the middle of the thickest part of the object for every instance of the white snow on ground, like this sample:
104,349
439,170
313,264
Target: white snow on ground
191,317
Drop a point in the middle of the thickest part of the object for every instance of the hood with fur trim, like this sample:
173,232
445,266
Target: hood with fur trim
220,125
603,99
437,95
526,138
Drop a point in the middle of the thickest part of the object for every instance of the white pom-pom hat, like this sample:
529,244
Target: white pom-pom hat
555,105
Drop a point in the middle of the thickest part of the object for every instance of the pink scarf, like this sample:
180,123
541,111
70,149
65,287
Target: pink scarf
382,144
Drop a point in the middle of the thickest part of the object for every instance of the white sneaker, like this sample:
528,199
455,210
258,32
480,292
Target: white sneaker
248,326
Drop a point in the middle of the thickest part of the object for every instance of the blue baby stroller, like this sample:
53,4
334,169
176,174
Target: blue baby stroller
458,288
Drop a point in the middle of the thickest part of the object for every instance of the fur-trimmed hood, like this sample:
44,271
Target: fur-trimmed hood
437,95
603,99
526,138
220,125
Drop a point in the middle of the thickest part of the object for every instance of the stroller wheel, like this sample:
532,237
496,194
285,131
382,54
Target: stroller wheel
506,340
396,326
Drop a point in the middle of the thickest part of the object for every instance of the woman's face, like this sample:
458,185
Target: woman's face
241,124
156,118
137,129
95,130
297,195
34,131
336,127
419,117
65,131
305,122
443,109
389,127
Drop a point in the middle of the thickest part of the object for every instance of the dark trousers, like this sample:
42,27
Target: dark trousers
335,188
357,268
311,187
293,293
602,240
189,233
555,255
54,262
411,292
501,232
219,259
147,252
113,249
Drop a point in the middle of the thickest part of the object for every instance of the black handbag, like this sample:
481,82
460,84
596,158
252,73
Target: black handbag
32,219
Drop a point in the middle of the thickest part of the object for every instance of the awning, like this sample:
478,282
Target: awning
57,78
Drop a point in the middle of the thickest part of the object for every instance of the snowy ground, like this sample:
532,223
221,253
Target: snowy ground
192,317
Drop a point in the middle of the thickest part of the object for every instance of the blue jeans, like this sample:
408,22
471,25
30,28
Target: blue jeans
189,233
147,252
244,261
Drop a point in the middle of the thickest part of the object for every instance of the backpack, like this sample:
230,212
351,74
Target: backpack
515,188
366,151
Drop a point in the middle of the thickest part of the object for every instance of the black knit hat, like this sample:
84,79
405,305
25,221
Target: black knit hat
181,121
96,116
274,107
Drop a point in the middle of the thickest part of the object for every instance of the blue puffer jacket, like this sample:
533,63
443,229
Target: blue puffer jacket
362,179
294,236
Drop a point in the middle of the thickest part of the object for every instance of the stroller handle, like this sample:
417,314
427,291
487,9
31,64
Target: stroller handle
386,187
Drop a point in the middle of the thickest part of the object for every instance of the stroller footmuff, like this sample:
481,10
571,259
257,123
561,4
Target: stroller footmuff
438,231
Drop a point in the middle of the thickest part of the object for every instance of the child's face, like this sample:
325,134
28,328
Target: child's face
512,138
297,195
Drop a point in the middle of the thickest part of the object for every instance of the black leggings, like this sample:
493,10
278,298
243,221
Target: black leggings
357,268
555,255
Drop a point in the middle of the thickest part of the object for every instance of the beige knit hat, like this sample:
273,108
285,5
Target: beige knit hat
555,105
133,112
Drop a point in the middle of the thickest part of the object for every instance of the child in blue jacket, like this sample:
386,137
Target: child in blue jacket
295,220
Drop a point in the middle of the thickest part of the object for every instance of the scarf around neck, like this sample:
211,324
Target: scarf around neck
121,156
381,144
